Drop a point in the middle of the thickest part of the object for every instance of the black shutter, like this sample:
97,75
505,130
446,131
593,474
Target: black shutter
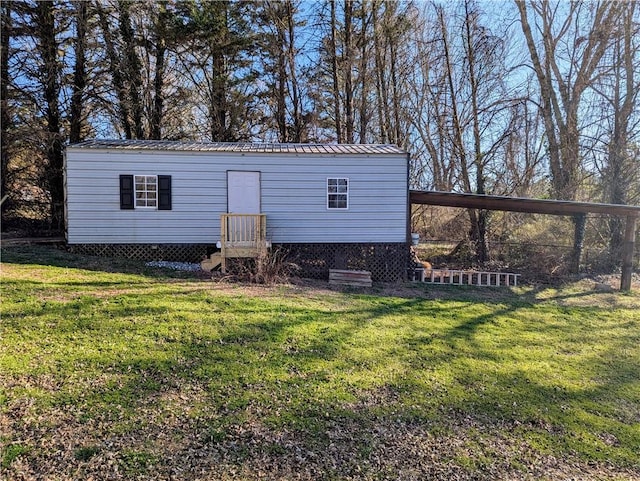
126,192
164,192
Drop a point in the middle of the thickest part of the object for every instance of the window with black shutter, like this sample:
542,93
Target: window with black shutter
164,192
126,192
145,192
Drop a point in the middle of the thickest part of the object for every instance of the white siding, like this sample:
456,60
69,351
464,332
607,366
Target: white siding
293,196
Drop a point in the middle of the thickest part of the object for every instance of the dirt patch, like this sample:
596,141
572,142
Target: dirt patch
613,280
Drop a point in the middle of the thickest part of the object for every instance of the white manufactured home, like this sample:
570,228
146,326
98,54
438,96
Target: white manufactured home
331,206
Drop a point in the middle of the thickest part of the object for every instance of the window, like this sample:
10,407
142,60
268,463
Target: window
146,190
337,193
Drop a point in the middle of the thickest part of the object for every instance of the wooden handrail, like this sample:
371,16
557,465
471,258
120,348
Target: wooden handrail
242,235
243,228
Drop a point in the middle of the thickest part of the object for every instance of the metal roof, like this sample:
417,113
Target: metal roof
240,147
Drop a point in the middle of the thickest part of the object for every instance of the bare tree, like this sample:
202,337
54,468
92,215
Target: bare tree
363,71
281,70
566,61
620,91
465,116
432,165
482,116
391,24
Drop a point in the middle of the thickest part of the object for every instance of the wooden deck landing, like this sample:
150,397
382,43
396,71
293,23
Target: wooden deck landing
242,235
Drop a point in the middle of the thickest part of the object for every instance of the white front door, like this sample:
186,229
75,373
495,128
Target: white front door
243,192
243,197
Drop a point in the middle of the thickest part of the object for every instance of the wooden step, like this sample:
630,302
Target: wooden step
350,278
212,262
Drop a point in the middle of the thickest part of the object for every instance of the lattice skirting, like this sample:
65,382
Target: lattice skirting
387,262
147,252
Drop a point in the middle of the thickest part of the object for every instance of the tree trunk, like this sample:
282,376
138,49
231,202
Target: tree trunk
218,109
296,106
281,100
617,180
479,228
132,68
381,86
348,71
219,79
157,113
391,30
115,69
5,119
364,116
48,50
543,74
334,73
457,137
79,74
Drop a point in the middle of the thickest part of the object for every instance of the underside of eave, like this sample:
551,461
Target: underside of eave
519,204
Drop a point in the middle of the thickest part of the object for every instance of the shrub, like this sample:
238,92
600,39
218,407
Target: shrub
270,267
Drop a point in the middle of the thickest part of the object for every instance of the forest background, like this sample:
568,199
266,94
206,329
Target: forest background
532,99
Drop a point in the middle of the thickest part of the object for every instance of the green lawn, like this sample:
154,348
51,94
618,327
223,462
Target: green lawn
115,371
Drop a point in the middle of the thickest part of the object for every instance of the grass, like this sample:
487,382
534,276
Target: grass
109,368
